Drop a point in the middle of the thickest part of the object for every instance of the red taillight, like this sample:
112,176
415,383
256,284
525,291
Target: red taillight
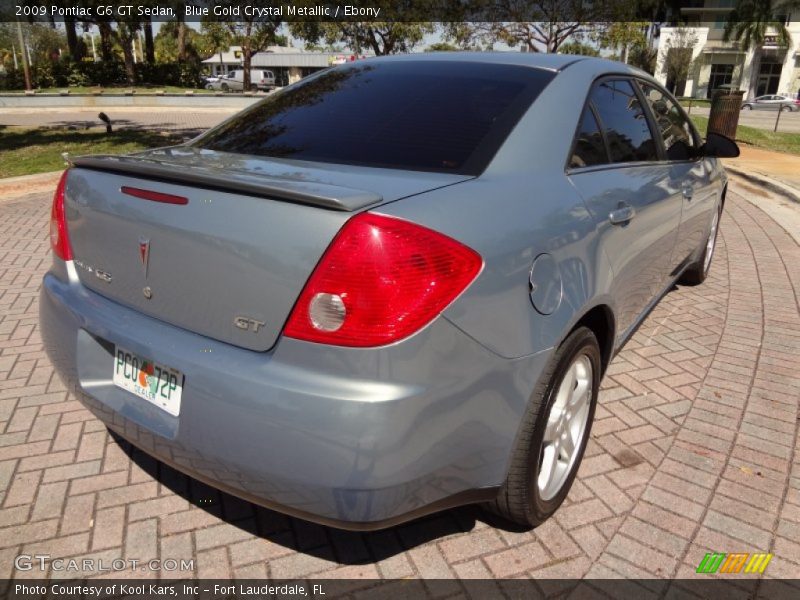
379,281
59,240
154,196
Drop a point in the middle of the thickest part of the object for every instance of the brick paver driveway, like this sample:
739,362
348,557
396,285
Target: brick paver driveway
693,450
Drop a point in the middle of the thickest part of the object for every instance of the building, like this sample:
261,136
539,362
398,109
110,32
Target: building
767,69
289,64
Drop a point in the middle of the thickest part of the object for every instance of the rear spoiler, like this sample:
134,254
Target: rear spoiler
301,192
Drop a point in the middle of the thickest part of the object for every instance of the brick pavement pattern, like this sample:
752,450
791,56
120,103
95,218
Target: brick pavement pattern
693,450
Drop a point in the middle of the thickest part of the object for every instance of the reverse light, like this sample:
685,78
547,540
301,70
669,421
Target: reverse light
381,280
59,240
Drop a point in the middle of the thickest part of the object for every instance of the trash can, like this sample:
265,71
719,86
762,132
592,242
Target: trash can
725,108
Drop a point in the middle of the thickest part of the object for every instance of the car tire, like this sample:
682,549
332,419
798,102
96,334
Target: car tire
698,272
747,107
209,86
530,495
786,109
224,87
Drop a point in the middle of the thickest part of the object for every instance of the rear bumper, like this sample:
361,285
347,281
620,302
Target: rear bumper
357,439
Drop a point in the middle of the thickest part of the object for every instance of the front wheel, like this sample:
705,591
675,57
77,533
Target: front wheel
698,272
553,434
747,107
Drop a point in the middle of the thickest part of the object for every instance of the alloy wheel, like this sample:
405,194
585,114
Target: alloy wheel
566,427
711,243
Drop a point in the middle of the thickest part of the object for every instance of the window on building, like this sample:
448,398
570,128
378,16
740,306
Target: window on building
720,75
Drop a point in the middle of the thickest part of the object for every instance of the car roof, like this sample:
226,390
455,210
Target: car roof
550,62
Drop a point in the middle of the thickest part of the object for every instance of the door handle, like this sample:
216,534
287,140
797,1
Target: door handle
687,190
622,215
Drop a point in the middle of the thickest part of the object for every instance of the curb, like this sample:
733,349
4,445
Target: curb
28,184
771,184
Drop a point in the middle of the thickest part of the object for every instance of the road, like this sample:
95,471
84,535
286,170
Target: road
694,449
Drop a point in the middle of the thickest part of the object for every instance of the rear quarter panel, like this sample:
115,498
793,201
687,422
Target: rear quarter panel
523,205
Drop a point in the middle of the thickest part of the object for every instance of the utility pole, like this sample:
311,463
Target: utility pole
25,66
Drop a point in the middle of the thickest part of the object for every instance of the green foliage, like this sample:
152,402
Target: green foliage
442,47
644,57
622,35
578,48
751,21
378,37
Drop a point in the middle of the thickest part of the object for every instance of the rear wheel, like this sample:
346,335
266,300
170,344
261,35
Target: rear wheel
747,107
786,109
697,273
553,434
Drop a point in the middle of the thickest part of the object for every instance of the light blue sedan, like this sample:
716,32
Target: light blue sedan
386,290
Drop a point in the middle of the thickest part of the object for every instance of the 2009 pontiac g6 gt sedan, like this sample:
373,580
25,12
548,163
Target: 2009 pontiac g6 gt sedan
389,289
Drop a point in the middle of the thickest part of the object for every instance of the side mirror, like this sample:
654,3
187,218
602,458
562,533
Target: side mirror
720,146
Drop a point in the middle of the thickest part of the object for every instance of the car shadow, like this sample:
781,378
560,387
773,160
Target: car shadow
344,547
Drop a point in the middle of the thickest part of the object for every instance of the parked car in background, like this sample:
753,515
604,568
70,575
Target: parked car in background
392,289
208,80
772,102
260,79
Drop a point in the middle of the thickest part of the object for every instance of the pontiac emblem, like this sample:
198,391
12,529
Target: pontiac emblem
144,253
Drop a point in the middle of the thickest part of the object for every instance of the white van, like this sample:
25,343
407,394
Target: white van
260,79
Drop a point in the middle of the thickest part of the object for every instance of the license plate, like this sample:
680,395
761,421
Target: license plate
154,382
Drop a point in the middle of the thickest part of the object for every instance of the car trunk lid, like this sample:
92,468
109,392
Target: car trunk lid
230,261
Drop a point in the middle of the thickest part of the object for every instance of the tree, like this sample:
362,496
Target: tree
644,57
578,48
74,47
215,39
124,35
149,45
677,57
380,37
622,35
537,25
442,47
253,34
750,22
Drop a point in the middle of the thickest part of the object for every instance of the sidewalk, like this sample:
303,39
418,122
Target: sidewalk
774,169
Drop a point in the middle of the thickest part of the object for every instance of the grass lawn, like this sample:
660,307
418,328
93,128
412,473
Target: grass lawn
25,151
779,142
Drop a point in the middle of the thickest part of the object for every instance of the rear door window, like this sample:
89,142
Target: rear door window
589,148
442,116
623,121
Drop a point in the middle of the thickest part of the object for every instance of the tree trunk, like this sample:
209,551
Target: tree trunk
181,39
72,39
149,47
106,51
246,66
753,87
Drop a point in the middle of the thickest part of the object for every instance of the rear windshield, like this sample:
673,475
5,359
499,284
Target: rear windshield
431,116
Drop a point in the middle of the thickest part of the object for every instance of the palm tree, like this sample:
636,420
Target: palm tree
752,21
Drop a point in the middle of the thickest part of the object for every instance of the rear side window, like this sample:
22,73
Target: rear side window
423,115
674,127
589,149
624,122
